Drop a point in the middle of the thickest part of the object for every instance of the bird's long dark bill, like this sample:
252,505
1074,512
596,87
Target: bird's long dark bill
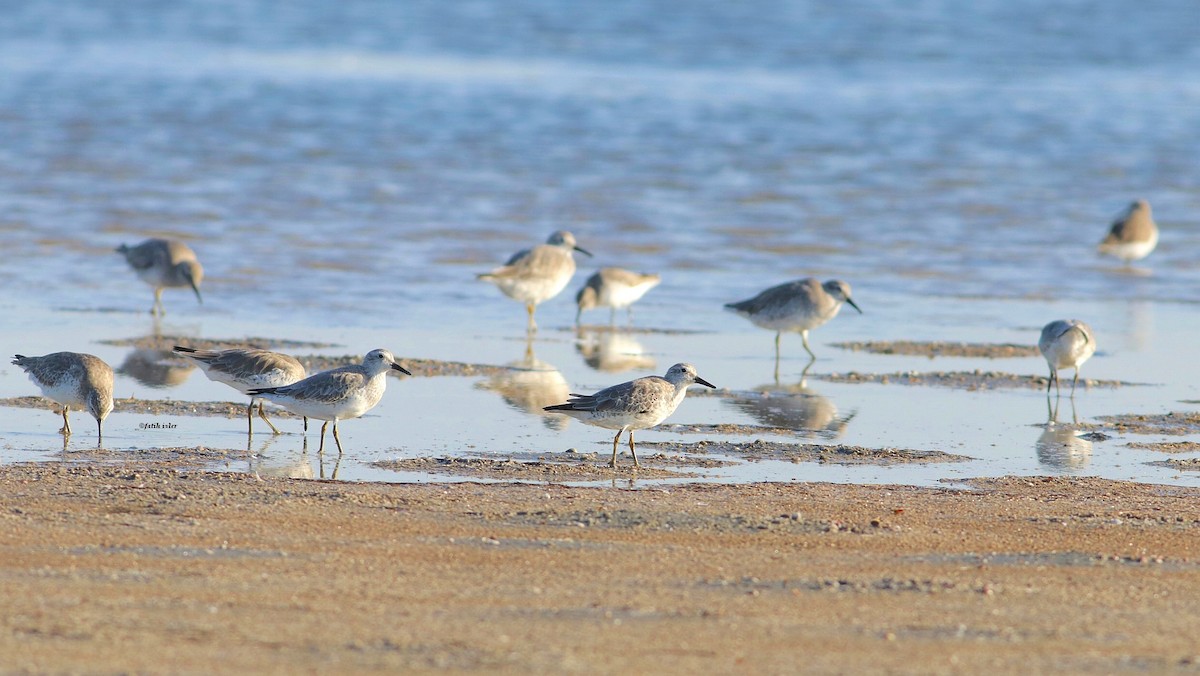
854,305
585,252
197,290
701,381
397,367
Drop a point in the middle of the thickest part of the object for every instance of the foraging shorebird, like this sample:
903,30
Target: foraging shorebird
634,405
614,288
247,369
1133,235
801,305
338,394
535,275
164,263
1066,343
73,379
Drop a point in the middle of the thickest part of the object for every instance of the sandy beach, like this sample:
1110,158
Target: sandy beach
909,489
155,567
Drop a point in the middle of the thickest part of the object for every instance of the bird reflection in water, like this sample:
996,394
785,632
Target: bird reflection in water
795,407
529,385
295,467
156,368
1059,445
612,351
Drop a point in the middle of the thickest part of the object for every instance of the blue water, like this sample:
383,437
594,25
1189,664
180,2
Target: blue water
345,169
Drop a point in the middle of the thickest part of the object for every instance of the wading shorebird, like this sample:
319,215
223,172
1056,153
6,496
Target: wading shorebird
338,394
538,274
73,379
247,369
164,263
801,305
634,405
614,288
1066,343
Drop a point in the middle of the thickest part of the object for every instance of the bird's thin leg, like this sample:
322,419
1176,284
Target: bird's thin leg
336,439
804,337
632,450
66,428
321,447
1057,385
1074,381
250,418
613,463
1049,382
157,308
529,307
263,414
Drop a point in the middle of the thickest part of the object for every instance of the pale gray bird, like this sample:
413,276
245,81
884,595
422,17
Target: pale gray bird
338,394
1066,343
535,275
614,288
164,263
801,305
246,369
73,379
634,405
1133,235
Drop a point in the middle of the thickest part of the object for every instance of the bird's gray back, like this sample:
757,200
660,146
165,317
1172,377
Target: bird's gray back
251,362
800,296
327,386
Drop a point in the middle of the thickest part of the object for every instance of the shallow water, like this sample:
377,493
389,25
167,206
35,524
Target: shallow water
344,172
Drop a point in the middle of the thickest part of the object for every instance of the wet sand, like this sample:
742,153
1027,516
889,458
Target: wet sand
149,567
118,562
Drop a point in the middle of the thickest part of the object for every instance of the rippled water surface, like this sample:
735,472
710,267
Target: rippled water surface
345,169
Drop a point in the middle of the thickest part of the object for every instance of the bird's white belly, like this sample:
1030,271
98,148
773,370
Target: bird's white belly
350,406
247,383
1132,251
66,393
798,321
1070,350
533,290
621,296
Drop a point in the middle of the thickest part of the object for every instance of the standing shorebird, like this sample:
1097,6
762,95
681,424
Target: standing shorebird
163,263
73,379
1066,343
247,369
1133,235
796,306
635,405
614,288
337,394
538,274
